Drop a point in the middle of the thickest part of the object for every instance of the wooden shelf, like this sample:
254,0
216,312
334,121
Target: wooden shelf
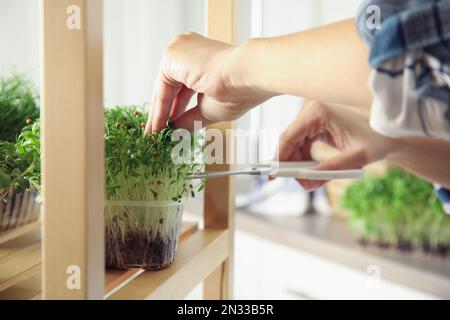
74,221
330,238
201,251
20,257
19,231
28,289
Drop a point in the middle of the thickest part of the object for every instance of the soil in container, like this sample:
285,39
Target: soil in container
142,234
429,240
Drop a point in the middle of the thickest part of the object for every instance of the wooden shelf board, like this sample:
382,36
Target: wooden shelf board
20,277
197,257
20,256
13,247
20,265
188,228
8,235
330,238
29,288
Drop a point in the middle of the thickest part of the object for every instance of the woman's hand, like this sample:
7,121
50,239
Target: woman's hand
191,65
230,80
347,131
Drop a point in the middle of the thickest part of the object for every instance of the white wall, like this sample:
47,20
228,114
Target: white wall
136,33
19,37
332,10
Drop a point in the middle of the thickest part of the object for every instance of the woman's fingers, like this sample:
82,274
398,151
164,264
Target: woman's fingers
347,160
315,122
188,119
354,158
302,131
291,139
196,115
181,102
295,142
165,96
148,126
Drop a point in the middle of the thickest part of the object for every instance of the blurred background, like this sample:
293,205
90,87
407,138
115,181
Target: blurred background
384,237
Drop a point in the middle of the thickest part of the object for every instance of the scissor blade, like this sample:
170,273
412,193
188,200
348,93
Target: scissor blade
220,174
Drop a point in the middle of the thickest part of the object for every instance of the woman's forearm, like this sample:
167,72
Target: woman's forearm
425,157
329,63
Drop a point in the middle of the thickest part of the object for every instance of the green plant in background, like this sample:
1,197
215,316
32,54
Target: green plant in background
398,209
28,146
20,164
18,104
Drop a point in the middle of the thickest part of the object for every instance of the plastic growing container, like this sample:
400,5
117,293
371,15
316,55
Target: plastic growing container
18,208
142,234
435,240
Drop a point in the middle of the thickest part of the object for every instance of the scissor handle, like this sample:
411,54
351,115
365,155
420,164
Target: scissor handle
303,170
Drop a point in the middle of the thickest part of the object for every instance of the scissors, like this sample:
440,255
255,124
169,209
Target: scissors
277,169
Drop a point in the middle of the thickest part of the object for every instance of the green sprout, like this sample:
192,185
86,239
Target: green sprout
139,166
398,209
20,163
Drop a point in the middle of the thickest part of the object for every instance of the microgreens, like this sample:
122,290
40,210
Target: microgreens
397,208
139,166
20,164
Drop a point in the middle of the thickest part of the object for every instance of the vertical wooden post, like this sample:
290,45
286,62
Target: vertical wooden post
72,150
219,193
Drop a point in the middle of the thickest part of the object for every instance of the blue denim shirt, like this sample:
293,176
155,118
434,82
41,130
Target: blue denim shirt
407,25
444,195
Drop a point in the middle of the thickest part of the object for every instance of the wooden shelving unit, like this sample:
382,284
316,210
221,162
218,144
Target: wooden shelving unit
35,267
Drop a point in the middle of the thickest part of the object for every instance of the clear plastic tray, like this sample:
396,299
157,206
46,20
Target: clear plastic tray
434,240
142,234
18,208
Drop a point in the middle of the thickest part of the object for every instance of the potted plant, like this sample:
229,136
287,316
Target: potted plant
19,152
400,210
20,175
144,192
